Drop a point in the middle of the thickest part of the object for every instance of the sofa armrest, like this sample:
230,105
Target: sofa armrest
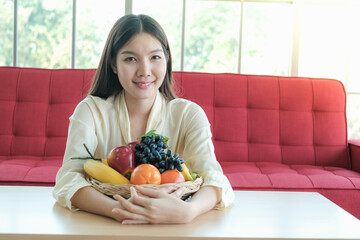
354,148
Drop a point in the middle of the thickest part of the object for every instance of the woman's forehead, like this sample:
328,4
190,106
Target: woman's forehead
142,43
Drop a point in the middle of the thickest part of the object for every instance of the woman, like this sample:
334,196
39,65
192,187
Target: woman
131,95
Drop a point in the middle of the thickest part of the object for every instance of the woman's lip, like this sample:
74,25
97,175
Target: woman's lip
143,85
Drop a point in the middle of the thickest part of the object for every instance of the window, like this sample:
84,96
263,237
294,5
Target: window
212,36
44,33
169,15
353,115
267,38
323,48
7,31
329,48
94,19
309,38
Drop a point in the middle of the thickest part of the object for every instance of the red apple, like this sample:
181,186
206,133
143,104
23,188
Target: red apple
132,145
122,159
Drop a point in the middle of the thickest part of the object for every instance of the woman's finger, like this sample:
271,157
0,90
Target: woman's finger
153,193
132,206
128,222
126,215
167,189
131,210
179,192
133,194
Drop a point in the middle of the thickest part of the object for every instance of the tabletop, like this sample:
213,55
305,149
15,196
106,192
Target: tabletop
32,213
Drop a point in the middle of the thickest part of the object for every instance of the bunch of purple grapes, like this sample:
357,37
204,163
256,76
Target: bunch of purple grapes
152,150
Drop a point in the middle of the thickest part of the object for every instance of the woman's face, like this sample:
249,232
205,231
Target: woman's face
141,67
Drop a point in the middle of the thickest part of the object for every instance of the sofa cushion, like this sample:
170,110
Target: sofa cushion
29,170
268,175
342,186
276,175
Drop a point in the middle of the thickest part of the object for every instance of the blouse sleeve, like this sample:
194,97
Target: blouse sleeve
70,177
200,156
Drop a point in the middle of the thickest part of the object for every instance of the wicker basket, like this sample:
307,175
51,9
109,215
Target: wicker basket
124,189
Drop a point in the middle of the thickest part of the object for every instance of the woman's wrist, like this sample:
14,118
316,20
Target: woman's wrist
90,200
191,212
202,201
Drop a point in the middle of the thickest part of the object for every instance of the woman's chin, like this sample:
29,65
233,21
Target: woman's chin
145,95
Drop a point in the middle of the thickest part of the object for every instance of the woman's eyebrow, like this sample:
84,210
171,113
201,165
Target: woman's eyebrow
134,53
157,50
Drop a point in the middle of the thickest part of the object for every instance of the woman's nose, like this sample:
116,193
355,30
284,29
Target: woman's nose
144,69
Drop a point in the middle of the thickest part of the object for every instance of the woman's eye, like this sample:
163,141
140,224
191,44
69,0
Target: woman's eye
156,57
130,59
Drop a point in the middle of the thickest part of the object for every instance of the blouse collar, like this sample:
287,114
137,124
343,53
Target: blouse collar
155,118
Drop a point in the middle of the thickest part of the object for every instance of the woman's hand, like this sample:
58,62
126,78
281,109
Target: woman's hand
153,206
120,214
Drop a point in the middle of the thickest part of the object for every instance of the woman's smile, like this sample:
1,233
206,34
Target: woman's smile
143,85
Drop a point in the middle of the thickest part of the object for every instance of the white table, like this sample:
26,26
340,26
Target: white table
32,213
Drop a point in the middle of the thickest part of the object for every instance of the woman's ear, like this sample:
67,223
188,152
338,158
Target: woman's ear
113,67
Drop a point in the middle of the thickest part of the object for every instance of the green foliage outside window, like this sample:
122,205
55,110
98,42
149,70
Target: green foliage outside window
44,33
212,36
6,30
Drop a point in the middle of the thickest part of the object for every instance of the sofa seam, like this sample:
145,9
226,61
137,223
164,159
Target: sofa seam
48,113
312,183
352,183
247,119
280,140
287,145
214,105
267,175
354,186
346,128
27,172
324,167
313,120
284,110
15,106
83,87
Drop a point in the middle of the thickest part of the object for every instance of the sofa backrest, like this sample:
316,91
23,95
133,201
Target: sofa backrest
35,106
288,120
253,118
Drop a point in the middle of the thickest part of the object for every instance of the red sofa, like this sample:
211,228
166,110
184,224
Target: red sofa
270,133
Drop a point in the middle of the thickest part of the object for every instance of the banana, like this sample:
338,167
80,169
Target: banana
186,173
104,161
104,173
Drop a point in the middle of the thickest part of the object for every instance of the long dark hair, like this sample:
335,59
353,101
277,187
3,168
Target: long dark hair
106,82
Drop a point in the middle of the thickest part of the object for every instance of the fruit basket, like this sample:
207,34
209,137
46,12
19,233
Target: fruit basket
124,189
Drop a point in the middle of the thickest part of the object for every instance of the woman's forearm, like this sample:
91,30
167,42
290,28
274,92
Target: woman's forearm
90,200
204,200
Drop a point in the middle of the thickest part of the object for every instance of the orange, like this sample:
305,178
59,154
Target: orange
145,174
172,176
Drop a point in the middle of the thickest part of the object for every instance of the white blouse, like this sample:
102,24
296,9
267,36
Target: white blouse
104,124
